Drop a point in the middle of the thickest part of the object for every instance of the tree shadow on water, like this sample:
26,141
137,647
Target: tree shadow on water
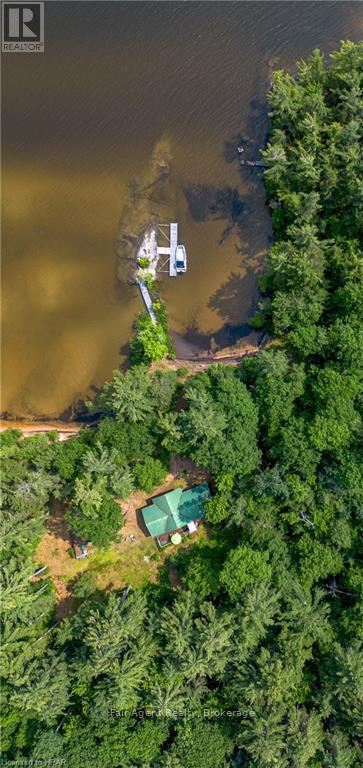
233,296
208,202
195,337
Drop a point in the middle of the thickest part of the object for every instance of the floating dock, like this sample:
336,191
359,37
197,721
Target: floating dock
147,299
173,245
170,233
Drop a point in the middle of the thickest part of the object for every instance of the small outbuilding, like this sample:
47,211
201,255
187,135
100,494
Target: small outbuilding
81,549
175,512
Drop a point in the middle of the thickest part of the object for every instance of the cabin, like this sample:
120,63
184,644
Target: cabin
175,514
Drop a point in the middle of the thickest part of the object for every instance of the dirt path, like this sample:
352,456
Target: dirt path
53,551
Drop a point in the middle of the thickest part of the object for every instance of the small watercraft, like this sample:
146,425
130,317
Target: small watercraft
181,259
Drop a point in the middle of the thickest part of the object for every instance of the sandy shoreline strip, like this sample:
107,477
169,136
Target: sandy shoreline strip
228,356
28,428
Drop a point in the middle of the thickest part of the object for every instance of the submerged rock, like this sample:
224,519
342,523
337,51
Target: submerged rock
150,199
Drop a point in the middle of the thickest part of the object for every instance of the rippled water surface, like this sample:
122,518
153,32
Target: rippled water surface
81,121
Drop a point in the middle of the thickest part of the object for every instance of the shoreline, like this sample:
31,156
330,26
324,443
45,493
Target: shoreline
65,429
201,362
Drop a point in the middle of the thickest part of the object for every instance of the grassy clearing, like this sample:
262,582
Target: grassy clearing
134,564
123,565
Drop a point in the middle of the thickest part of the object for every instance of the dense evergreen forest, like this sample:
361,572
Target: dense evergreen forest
256,660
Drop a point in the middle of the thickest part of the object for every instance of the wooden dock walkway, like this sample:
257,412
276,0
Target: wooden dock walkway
173,245
147,299
170,233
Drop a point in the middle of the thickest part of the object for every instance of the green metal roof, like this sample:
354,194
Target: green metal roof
175,509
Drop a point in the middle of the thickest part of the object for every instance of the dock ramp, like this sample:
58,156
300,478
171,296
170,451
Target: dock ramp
147,299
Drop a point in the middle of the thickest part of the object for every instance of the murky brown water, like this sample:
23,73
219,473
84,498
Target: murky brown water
82,120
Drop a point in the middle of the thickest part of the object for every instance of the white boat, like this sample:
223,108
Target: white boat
181,259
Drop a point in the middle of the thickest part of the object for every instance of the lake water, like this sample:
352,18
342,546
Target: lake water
81,122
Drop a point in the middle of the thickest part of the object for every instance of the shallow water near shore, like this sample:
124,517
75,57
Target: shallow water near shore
82,120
